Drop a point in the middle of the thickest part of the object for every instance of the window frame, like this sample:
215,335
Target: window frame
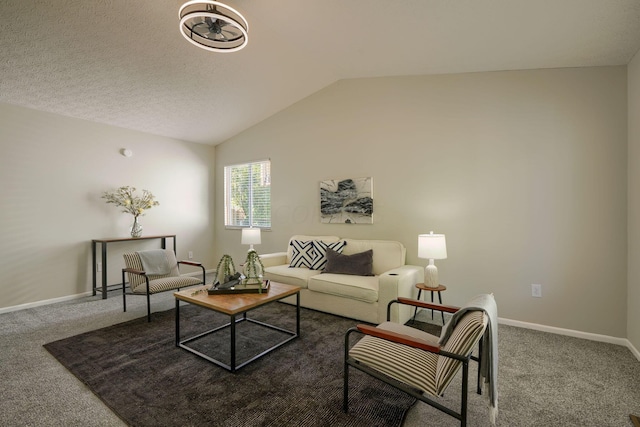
228,210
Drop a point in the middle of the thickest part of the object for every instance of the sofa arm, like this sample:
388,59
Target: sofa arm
399,282
269,260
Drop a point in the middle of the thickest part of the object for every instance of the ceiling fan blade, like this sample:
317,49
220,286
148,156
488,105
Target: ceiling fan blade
201,29
231,35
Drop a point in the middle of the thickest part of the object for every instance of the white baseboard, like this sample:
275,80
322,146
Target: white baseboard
43,302
572,333
634,350
72,297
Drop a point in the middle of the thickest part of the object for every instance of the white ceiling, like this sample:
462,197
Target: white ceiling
125,63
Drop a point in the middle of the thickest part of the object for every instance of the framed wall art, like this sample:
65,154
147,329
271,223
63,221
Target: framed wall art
346,201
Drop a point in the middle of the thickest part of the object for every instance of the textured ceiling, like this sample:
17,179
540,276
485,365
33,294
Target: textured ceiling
125,63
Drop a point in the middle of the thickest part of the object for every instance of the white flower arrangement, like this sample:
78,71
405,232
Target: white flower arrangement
135,205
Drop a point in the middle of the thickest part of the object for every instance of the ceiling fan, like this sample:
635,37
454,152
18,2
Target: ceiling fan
216,29
214,26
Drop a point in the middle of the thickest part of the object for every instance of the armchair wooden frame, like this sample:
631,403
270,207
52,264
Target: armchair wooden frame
146,277
418,344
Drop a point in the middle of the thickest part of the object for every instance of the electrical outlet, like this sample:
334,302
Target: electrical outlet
99,267
190,255
536,290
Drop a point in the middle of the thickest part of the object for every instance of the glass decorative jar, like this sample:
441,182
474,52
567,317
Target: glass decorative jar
136,228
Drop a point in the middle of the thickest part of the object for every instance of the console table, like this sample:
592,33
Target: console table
104,243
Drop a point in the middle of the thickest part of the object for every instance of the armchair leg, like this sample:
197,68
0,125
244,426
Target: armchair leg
465,387
345,395
148,307
148,301
345,391
124,294
479,390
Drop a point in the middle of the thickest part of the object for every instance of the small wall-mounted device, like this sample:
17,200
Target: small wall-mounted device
126,152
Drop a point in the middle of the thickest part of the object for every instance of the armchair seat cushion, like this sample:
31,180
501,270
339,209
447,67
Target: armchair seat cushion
166,284
409,365
362,288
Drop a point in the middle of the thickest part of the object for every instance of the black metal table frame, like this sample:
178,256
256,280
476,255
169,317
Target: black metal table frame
439,299
232,324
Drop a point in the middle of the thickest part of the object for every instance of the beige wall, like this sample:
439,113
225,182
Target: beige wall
633,298
53,170
525,173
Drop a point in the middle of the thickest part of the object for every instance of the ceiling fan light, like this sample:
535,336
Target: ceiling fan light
194,13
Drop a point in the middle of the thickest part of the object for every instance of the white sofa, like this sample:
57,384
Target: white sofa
359,297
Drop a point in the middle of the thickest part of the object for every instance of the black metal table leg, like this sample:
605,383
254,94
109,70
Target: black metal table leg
177,323
432,303
232,362
104,270
95,266
415,311
298,314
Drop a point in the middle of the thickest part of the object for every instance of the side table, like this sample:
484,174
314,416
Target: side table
421,287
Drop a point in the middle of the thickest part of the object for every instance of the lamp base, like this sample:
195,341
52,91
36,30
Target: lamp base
431,276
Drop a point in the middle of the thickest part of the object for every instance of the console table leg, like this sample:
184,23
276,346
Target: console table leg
104,270
95,267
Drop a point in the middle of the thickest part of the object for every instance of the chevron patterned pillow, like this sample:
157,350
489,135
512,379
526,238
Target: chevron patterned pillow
302,253
320,248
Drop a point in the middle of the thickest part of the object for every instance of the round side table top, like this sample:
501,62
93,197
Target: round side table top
423,287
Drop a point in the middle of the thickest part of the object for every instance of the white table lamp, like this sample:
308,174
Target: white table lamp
250,236
432,246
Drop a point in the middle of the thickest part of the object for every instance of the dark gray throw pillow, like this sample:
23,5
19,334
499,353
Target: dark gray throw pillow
360,264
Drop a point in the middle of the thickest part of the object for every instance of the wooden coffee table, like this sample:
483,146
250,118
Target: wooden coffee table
236,306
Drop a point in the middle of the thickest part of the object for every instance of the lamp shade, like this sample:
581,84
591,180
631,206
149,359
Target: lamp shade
432,246
250,236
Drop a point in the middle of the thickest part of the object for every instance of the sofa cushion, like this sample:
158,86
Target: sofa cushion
302,253
362,288
360,264
320,252
289,276
387,254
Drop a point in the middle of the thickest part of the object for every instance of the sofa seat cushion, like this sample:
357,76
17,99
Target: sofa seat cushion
362,288
290,276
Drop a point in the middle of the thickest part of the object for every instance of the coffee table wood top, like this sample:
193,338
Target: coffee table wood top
235,303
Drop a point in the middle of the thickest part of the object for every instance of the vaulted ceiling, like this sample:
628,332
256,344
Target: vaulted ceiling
125,63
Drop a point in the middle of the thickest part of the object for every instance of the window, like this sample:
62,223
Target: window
247,195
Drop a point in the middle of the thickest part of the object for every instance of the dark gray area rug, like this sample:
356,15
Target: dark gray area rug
136,370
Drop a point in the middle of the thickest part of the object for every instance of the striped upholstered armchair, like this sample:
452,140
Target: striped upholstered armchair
421,364
154,271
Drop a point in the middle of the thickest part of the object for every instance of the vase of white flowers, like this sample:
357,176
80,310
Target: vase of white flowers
136,228
125,198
